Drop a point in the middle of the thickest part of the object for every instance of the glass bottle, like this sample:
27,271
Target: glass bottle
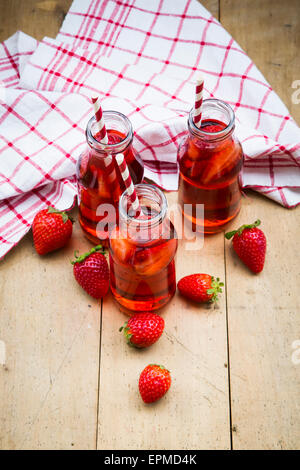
95,191
210,161
142,251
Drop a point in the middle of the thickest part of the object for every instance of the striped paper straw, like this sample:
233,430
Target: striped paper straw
135,203
99,120
198,101
111,172
108,161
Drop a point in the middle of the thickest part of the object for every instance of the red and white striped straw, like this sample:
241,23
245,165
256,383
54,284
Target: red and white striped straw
198,101
108,161
135,203
99,120
111,172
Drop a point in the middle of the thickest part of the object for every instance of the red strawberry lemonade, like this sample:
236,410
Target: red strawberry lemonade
142,251
97,195
210,162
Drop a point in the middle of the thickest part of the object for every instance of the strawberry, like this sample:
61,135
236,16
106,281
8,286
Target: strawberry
51,230
154,382
143,329
249,242
200,287
91,272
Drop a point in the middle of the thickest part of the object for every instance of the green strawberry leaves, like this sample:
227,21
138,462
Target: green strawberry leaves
95,249
215,289
239,231
127,334
65,216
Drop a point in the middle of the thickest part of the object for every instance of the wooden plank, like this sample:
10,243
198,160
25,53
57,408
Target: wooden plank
49,326
195,412
269,32
46,408
264,314
37,18
264,322
49,382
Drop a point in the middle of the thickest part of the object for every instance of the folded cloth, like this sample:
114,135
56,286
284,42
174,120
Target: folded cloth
160,125
14,53
142,58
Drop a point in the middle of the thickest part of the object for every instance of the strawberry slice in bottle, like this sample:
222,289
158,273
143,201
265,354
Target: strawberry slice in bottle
121,248
150,261
220,162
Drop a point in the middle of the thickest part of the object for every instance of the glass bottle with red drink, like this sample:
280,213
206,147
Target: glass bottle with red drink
97,196
142,250
210,162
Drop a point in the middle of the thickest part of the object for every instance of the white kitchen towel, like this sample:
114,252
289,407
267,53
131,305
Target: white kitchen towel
142,58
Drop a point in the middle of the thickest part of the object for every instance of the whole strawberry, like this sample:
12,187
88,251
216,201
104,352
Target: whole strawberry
154,382
143,329
249,242
92,273
51,230
200,287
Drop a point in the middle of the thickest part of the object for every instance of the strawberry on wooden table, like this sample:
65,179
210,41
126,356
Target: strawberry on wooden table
143,329
51,230
154,382
91,272
250,244
200,287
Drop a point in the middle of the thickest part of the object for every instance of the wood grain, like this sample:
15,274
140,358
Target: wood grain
212,6
50,328
195,412
37,18
269,32
263,315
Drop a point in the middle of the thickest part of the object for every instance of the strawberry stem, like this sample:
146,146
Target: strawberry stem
123,326
239,231
127,335
215,288
95,249
65,216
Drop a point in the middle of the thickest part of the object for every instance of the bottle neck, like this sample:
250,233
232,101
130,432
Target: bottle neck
154,210
120,128
217,123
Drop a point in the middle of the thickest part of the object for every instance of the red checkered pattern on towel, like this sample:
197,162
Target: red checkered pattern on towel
142,58
14,54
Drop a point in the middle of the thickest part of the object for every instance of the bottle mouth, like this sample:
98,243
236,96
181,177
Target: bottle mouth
213,110
149,196
115,121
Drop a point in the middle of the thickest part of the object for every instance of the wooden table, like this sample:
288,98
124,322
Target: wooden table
70,381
